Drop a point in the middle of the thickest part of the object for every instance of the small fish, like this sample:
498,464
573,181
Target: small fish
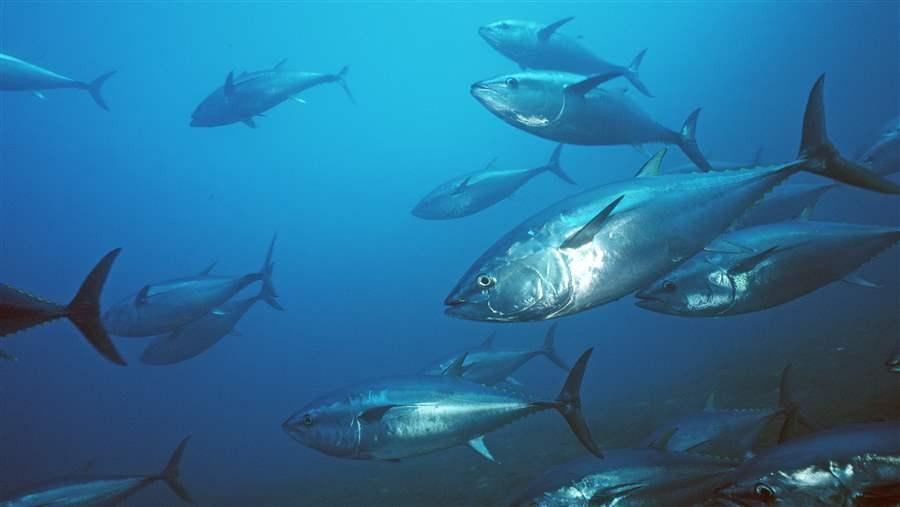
847,466
19,75
468,194
100,491
537,46
165,307
489,366
571,109
765,266
401,417
20,310
248,95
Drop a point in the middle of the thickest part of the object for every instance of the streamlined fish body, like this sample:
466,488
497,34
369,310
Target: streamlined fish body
19,75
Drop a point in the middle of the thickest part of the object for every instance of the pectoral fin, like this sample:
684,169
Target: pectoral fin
249,122
299,100
375,414
609,495
456,367
39,95
477,445
748,263
587,233
545,33
582,87
858,280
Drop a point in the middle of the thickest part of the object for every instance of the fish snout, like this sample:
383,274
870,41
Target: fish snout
453,300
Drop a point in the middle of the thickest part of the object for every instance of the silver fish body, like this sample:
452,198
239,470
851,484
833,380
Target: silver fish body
19,75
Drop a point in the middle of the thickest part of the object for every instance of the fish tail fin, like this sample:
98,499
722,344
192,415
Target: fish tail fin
790,407
554,167
823,158
549,349
568,403
171,473
267,292
94,88
84,309
633,76
687,141
341,77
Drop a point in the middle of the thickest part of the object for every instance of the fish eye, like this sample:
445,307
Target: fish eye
307,420
764,491
669,286
512,82
485,281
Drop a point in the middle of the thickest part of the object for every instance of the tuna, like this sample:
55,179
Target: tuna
20,310
732,432
537,46
167,306
846,466
490,366
762,267
650,476
605,243
248,95
883,157
19,75
402,417
101,491
470,193
199,336
570,108
788,202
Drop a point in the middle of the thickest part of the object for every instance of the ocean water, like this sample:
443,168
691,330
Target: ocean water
362,280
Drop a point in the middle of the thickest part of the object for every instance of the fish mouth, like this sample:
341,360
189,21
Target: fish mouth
453,301
649,302
487,34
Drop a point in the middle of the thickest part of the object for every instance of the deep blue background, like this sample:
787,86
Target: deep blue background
362,279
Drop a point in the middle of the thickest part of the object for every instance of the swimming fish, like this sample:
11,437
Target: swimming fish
19,75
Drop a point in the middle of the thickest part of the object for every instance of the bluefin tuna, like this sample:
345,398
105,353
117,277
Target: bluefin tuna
20,310
884,156
19,75
490,366
199,336
167,306
608,242
788,202
732,432
649,476
848,466
402,417
537,46
570,108
100,491
470,193
248,95
761,267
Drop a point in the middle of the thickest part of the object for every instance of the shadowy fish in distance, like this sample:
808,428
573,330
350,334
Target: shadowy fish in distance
794,201
401,417
100,491
605,243
857,465
468,194
884,156
200,335
571,109
19,75
765,266
732,432
649,476
20,310
536,46
489,366
718,165
248,95
167,306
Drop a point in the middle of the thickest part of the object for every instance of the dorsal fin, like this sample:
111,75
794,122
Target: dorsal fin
545,33
280,64
589,83
229,84
456,367
710,403
662,443
141,297
586,234
489,341
748,263
208,269
757,157
652,166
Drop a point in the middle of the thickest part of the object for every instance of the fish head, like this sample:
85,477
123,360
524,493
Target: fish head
212,112
433,207
698,288
530,100
813,485
511,37
524,282
327,425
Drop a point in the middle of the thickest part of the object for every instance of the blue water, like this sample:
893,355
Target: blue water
362,279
